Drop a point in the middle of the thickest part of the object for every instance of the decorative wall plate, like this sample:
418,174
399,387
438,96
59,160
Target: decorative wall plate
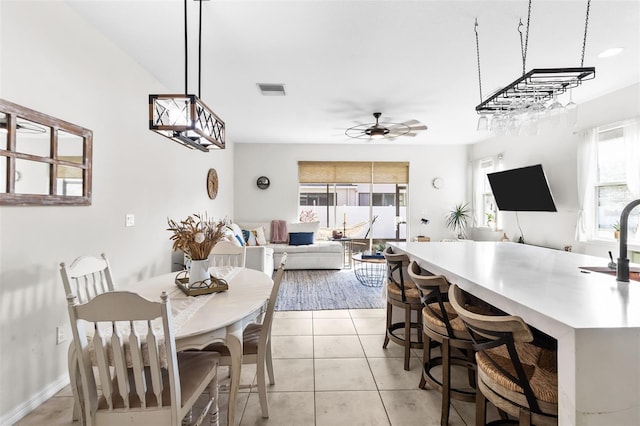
212,183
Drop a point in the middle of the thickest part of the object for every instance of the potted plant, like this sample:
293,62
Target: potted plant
616,230
196,236
457,219
490,219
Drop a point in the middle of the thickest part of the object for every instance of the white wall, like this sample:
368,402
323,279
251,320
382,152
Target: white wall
280,164
51,61
557,152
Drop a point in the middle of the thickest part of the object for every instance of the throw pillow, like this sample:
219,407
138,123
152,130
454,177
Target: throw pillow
249,237
260,237
312,227
300,238
238,234
231,237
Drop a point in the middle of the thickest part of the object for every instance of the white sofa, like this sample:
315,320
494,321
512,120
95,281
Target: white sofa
321,254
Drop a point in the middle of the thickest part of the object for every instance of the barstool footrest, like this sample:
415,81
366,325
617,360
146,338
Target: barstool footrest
415,344
459,394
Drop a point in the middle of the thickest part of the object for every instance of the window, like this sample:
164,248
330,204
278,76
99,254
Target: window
615,167
486,211
349,195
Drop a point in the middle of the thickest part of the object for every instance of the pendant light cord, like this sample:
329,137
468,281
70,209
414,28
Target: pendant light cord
186,53
186,50
199,47
584,41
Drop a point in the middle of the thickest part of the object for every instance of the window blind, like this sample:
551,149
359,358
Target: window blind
353,172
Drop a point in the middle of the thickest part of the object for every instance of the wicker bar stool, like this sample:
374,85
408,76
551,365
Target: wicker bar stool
402,293
518,377
441,326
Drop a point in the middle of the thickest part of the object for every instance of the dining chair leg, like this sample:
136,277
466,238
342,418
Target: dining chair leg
214,412
74,376
262,386
269,360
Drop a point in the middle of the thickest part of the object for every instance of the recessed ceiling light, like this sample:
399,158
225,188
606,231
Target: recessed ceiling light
269,89
610,52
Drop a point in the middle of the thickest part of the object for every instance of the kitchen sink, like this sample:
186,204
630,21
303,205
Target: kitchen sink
634,273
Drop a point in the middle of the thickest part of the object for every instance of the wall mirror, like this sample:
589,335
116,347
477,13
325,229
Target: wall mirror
43,160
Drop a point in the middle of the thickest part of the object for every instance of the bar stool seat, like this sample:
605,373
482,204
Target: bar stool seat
402,293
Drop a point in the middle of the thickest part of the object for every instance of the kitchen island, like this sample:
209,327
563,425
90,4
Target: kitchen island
595,319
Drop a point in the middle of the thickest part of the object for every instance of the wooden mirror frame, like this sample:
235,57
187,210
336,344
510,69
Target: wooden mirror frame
9,154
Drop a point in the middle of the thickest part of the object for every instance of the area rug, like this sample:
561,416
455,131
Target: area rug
311,290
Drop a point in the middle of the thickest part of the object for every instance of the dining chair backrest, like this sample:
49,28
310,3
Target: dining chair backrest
226,253
271,305
130,365
87,277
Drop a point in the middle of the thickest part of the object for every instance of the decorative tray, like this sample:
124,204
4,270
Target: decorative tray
208,286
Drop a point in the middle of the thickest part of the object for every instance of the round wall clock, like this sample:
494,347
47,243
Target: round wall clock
212,183
263,182
437,183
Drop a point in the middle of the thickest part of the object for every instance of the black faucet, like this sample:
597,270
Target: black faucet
623,261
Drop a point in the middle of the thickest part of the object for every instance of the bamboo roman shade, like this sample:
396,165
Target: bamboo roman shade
353,172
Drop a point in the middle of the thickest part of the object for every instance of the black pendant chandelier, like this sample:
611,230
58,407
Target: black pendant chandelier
527,96
185,118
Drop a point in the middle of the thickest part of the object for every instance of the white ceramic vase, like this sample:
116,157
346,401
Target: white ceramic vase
199,271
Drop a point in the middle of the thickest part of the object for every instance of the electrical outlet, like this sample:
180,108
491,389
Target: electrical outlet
60,337
129,220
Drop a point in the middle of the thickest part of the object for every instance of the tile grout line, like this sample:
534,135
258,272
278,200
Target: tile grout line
386,412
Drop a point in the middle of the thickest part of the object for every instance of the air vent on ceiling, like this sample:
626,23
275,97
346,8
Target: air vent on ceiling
271,89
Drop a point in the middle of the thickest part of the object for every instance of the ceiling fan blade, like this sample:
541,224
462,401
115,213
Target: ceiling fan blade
421,127
411,122
410,134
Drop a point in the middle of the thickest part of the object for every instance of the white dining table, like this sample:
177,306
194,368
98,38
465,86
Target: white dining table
218,317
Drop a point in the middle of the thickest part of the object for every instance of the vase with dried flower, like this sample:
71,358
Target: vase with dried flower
196,236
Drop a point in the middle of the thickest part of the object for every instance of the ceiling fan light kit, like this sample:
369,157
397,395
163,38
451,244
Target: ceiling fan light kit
384,130
535,93
185,118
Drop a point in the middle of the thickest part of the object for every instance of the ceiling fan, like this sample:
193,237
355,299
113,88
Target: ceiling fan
384,130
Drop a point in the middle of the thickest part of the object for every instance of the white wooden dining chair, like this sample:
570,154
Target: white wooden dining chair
256,343
143,379
225,253
85,278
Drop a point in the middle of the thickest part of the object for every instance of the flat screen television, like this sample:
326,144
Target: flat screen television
522,190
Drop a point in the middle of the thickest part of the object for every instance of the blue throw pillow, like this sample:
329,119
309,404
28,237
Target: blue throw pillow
300,238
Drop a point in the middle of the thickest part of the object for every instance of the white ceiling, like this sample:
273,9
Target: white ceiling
341,61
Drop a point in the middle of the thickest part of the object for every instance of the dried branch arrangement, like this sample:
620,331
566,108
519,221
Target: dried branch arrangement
196,235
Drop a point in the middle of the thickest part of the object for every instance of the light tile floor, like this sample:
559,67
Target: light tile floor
330,369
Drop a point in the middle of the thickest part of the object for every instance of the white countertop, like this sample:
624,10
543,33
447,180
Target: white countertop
541,281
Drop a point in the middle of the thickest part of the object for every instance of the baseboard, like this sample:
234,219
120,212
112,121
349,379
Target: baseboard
38,399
